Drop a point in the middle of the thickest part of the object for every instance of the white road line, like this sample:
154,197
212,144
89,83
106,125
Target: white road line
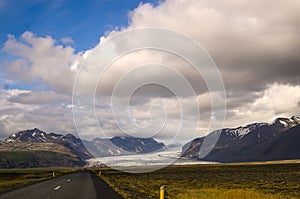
56,188
68,180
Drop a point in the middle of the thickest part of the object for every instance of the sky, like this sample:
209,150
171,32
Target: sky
255,46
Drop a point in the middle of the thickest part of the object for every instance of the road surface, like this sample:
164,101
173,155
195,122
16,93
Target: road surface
83,185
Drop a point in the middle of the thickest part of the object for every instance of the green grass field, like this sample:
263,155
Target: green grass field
231,181
11,178
226,181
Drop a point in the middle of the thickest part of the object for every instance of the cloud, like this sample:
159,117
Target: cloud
40,58
67,40
273,102
255,45
276,100
254,51
44,97
26,110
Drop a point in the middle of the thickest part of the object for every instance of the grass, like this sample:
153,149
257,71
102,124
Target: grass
29,159
224,194
11,178
226,181
268,181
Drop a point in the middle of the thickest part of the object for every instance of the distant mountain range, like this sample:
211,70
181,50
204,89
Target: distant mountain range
36,148
279,140
122,146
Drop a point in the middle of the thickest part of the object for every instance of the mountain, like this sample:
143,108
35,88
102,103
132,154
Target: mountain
28,155
36,148
137,145
37,136
122,146
103,147
254,142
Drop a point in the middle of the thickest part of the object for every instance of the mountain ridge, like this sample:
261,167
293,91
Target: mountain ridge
75,150
278,140
253,142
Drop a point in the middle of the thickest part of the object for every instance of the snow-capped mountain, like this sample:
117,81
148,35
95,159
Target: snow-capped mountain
241,131
37,136
287,122
122,146
137,145
37,141
34,135
252,142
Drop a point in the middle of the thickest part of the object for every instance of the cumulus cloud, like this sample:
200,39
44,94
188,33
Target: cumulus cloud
67,40
44,97
21,109
40,59
255,45
276,100
252,49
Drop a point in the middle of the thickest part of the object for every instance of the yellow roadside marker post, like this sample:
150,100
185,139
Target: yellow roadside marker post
53,174
162,192
99,173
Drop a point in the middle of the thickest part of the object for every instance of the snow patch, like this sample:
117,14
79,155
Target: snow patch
284,123
110,151
43,137
241,132
9,140
296,119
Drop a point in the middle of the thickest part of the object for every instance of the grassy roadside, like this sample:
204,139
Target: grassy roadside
267,181
11,178
226,181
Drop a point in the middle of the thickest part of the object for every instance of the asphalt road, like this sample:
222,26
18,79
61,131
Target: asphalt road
83,184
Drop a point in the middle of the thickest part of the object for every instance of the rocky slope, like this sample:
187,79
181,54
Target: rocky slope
122,146
254,142
36,148
69,141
